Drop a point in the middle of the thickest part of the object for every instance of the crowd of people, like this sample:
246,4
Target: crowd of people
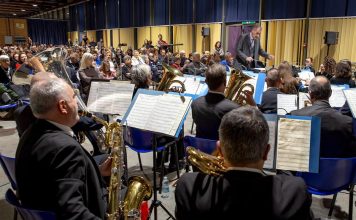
67,181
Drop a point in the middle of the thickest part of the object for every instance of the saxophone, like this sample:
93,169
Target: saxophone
236,86
138,188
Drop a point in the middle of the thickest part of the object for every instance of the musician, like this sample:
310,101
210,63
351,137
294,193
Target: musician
269,97
141,77
343,75
195,67
309,64
161,44
53,171
230,62
249,48
244,191
208,110
336,138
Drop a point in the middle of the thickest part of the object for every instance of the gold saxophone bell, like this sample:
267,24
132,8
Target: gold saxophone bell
169,83
236,85
206,163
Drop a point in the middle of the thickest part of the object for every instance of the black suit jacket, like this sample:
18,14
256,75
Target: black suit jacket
243,50
336,139
242,195
55,173
207,112
269,100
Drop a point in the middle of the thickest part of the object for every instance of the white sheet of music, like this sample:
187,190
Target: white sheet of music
302,98
306,75
191,85
286,103
350,95
337,98
293,144
112,97
161,114
272,141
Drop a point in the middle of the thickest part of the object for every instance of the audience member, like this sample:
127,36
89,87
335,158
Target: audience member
195,67
126,68
136,59
87,72
218,49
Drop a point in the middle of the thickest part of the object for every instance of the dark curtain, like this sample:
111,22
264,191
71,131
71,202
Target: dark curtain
161,12
100,14
242,10
182,11
113,13
329,8
351,8
142,13
90,15
47,31
72,18
81,17
208,11
281,9
126,16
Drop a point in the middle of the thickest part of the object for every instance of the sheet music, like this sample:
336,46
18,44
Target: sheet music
272,142
293,144
306,75
350,95
337,98
302,98
191,85
286,103
112,97
158,113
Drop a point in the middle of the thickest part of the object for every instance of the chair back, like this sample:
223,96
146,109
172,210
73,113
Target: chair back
335,174
27,214
205,145
8,165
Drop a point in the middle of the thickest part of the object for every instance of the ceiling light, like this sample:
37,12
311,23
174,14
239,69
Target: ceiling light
23,10
14,14
34,5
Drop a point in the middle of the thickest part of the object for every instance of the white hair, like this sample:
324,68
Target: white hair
45,94
83,61
4,58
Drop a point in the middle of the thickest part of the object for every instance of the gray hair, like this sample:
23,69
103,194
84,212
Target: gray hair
140,75
244,135
83,61
272,77
4,58
320,88
126,58
45,94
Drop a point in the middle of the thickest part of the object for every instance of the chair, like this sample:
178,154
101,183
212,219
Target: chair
141,142
335,175
8,165
27,214
205,145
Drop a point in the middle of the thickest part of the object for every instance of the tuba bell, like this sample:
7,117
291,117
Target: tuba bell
169,81
236,85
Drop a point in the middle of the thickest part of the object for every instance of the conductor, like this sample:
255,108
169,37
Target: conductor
249,49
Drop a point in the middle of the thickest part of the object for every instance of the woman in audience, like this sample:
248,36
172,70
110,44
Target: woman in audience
87,72
218,48
327,69
14,60
22,59
105,70
343,75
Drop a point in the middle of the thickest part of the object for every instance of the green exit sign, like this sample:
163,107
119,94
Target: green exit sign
248,22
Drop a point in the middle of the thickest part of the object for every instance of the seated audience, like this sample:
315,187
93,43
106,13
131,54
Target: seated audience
337,138
343,75
136,59
5,69
53,171
105,70
156,67
196,67
269,97
183,57
244,190
73,61
126,68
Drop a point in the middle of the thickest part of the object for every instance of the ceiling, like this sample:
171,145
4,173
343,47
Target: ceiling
26,8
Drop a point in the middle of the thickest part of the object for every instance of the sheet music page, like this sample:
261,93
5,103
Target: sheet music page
272,141
286,103
306,75
293,144
337,98
110,97
191,85
141,112
302,98
167,114
350,95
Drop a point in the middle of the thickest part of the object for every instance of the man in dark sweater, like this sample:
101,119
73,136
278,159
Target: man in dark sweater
269,97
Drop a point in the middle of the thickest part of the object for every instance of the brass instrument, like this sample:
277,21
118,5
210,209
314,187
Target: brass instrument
169,79
138,189
236,85
206,163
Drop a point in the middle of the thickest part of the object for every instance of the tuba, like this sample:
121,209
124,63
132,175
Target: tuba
206,163
138,188
236,85
169,81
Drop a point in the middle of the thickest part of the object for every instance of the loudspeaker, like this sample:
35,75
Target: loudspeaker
331,37
205,31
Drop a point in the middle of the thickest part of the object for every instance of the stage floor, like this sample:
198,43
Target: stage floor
9,141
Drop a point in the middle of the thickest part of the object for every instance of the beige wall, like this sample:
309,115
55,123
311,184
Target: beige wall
12,27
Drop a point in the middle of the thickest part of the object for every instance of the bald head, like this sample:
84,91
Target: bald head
319,89
40,76
273,78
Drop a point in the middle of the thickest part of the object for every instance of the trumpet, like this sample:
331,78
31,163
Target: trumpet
138,188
